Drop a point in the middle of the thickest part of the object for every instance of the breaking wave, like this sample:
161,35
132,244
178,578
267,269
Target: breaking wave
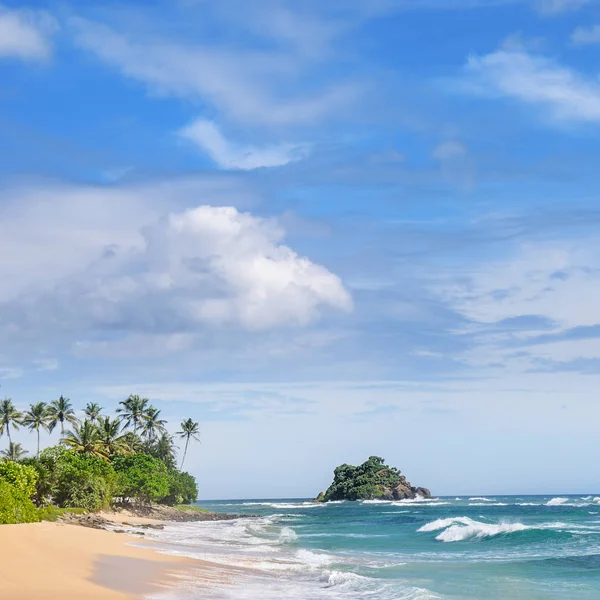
457,529
557,501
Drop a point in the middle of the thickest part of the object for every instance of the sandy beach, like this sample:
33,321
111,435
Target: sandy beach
54,560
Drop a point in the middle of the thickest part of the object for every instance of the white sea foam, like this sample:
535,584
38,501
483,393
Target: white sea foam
557,501
314,559
456,529
287,536
335,578
443,523
483,499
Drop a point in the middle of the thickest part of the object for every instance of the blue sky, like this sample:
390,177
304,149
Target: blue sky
324,230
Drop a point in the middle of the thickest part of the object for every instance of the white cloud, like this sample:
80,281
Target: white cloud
586,35
258,282
24,34
121,258
229,155
558,281
246,85
535,80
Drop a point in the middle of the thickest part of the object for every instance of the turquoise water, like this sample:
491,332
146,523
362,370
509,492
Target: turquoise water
529,548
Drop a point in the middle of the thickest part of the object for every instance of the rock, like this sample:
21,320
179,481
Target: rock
320,497
402,492
423,492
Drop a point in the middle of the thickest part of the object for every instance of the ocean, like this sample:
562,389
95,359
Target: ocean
468,548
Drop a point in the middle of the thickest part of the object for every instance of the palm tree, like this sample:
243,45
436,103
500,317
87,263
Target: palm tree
85,439
37,416
9,415
92,412
133,441
14,452
112,439
133,410
152,424
163,448
61,411
189,429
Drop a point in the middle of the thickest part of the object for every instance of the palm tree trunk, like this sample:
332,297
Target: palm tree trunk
8,433
187,441
62,428
38,432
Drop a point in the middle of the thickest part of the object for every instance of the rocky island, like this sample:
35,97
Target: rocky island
373,480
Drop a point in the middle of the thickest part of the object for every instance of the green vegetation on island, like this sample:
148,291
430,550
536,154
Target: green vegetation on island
101,460
373,480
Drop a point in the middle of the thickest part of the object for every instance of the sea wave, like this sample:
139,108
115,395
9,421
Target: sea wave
483,499
457,529
366,587
557,501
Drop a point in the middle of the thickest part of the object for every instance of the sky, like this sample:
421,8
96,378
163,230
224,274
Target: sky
323,230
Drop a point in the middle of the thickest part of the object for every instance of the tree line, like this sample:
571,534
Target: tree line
101,459
137,421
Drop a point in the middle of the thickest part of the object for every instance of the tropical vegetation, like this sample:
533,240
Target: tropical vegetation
101,460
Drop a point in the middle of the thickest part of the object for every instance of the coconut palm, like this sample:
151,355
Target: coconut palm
189,430
133,441
85,439
14,452
112,439
163,448
9,416
132,411
152,424
92,412
61,411
37,416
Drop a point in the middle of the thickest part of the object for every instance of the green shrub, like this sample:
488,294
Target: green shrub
70,479
141,477
22,477
182,488
15,506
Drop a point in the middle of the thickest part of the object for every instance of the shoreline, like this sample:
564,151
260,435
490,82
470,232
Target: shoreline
71,562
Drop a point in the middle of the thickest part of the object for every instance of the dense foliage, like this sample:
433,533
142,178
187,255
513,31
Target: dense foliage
22,477
17,486
130,458
72,479
15,507
141,477
366,481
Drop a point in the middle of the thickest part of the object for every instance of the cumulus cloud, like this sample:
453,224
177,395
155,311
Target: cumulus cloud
229,155
536,80
24,34
256,281
121,261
